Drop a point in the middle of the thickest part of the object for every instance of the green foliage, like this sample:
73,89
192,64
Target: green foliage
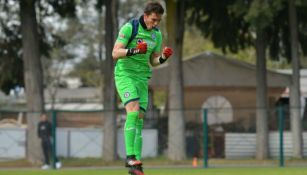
261,13
65,8
232,24
11,64
159,98
204,45
191,36
217,22
89,72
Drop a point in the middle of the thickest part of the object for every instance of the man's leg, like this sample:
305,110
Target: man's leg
129,132
143,103
138,144
128,92
46,155
132,109
46,151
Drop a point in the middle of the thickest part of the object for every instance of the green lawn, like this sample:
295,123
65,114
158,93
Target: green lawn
166,171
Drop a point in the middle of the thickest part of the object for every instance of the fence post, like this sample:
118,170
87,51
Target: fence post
54,158
205,128
281,135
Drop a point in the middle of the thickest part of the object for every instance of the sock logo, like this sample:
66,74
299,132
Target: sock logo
131,128
127,94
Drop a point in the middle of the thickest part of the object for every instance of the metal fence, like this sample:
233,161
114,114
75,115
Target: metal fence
215,136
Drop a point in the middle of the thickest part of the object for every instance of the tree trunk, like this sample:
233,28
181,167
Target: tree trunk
109,100
295,104
261,99
176,121
33,75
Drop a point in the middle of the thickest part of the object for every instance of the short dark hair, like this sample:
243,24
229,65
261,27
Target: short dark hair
154,7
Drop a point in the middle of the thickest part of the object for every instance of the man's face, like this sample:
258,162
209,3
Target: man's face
43,117
152,20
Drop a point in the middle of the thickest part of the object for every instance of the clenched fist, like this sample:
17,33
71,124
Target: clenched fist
142,47
167,52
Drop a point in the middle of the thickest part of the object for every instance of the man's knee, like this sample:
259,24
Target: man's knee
132,106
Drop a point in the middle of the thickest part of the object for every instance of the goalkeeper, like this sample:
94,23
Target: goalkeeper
132,72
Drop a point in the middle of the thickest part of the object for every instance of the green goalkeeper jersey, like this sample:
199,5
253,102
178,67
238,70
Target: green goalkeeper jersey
137,65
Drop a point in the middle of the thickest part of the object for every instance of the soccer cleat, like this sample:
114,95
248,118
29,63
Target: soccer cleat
140,168
131,162
136,170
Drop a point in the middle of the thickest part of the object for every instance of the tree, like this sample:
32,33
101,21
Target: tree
109,93
242,19
32,47
266,20
296,126
259,25
176,121
280,46
33,77
262,135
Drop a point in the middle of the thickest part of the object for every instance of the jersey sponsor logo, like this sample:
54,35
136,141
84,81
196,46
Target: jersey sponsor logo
139,40
150,43
144,35
127,94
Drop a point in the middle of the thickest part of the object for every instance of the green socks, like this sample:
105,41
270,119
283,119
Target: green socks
133,134
138,139
130,131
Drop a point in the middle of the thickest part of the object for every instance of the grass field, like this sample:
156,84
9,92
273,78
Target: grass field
166,171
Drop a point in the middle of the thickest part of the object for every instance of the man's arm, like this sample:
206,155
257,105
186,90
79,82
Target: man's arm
157,59
119,50
154,59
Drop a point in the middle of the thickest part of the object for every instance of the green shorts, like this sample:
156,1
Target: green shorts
132,89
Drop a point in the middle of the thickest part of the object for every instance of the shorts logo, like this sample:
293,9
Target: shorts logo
127,94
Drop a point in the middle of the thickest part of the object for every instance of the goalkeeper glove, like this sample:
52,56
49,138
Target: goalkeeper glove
167,52
141,48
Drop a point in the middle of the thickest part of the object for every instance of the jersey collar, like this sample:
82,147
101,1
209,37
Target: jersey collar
142,22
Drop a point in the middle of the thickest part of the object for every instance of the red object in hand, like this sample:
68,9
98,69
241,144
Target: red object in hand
167,52
142,46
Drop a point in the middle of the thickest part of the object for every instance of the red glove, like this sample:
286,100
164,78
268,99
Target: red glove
142,47
167,52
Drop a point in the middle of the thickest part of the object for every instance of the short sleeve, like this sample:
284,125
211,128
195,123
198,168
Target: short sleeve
124,34
157,49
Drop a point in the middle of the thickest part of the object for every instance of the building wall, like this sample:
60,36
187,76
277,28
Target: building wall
79,119
242,100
